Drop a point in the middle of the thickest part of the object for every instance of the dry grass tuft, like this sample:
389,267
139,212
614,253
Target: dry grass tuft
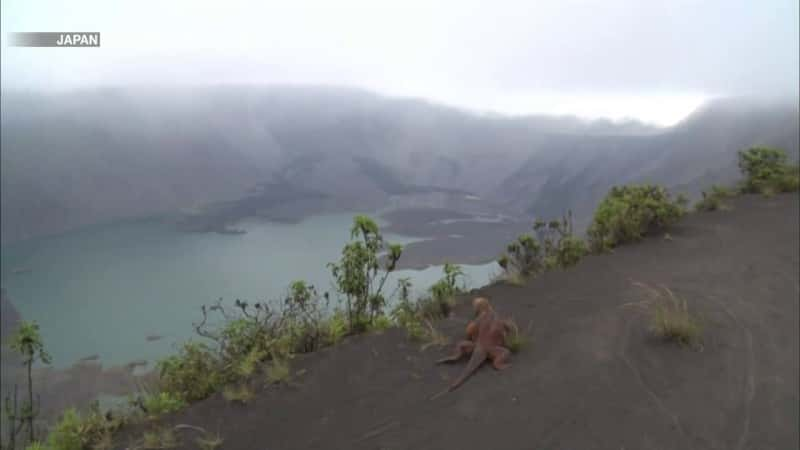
432,336
670,317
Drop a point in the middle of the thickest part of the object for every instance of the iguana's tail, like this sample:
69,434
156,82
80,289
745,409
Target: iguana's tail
479,355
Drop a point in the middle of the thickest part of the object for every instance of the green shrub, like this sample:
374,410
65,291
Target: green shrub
570,250
714,200
767,171
162,403
76,432
360,274
522,257
380,323
302,318
442,294
416,317
629,212
193,374
335,328
554,246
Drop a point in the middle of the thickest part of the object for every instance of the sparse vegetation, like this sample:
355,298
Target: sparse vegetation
209,441
416,317
714,199
629,212
768,171
553,246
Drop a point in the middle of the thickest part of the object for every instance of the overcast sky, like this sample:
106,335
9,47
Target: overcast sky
652,60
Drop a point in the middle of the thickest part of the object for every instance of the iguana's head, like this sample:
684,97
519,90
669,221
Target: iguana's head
481,305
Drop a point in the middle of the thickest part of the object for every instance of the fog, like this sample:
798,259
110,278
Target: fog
654,61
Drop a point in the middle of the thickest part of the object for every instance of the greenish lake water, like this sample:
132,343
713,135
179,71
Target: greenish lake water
103,289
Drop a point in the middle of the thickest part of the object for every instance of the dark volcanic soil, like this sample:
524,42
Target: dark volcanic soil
592,376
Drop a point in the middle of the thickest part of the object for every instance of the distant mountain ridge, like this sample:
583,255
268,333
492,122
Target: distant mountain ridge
83,157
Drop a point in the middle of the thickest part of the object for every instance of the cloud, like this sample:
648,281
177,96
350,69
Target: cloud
477,54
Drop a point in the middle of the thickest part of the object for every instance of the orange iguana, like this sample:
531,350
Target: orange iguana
486,337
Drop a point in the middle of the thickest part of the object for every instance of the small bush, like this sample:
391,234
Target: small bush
162,403
554,246
714,200
628,213
239,393
361,273
193,374
768,171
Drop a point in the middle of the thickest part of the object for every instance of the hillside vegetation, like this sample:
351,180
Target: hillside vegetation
248,342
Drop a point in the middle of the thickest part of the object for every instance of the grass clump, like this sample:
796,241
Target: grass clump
670,317
515,340
768,171
159,439
629,212
714,200
156,404
552,246
238,393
